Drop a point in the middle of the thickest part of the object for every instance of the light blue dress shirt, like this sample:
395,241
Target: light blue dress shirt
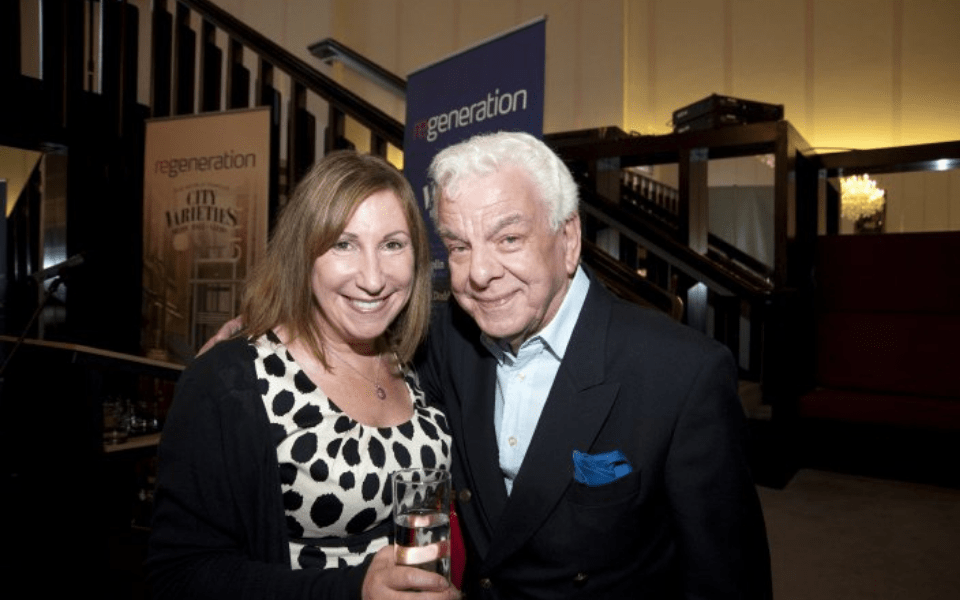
524,380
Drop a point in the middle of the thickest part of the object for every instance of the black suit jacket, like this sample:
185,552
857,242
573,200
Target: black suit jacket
686,523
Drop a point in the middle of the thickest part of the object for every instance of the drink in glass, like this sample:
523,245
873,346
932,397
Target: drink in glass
421,517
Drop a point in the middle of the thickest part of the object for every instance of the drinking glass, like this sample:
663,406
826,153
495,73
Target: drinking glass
421,518
116,421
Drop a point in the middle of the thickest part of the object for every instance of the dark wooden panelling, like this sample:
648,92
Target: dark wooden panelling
211,69
53,69
301,135
184,63
238,77
9,40
268,95
162,59
120,61
336,134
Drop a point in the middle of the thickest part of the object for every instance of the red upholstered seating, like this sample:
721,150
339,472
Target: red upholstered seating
888,330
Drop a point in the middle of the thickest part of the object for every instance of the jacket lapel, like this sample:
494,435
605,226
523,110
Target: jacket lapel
573,415
478,439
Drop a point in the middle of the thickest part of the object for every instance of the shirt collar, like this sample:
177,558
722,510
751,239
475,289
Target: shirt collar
556,334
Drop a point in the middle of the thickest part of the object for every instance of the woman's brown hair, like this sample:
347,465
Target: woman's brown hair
278,291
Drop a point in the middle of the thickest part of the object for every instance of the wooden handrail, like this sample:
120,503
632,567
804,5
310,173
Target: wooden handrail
627,284
723,251
722,278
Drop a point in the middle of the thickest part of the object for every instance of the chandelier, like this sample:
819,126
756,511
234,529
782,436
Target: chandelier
860,197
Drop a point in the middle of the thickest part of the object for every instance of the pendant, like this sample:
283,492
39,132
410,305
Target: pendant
381,393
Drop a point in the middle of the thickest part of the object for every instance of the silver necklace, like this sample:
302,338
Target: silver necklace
381,393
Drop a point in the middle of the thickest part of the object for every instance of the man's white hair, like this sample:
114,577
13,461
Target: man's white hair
489,153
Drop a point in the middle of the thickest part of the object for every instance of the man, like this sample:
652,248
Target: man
598,446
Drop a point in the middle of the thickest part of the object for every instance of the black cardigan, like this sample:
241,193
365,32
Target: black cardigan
219,528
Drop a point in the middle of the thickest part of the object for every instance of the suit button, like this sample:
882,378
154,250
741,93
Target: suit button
580,578
464,495
485,583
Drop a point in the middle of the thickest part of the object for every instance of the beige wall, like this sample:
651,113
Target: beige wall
584,49
584,70
850,73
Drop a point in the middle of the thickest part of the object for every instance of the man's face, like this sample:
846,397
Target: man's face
508,268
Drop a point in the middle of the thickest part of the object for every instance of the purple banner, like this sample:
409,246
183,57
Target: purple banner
496,85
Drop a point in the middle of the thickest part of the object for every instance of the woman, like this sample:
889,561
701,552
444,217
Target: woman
276,455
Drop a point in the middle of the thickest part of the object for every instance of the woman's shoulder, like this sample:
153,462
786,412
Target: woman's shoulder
228,363
222,381
229,351
233,348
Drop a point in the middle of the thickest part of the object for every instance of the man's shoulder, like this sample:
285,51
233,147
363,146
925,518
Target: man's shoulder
448,319
633,323
601,303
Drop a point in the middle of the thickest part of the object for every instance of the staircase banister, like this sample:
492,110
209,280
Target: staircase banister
331,91
628,284
702,268
736,254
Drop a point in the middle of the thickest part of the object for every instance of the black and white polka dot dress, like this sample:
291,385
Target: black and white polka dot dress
334,471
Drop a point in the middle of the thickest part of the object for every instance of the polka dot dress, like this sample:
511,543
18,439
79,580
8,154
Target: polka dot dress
334,471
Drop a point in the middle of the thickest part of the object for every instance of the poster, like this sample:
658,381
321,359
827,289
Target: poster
496,85
206,202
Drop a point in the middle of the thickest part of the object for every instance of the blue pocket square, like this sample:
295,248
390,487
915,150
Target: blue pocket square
599,469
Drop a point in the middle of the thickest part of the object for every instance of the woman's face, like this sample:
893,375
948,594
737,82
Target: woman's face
364,281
